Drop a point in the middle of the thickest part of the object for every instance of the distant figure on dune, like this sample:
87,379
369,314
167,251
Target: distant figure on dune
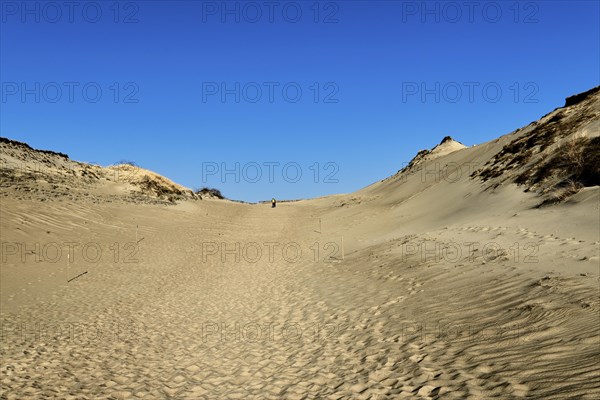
273,202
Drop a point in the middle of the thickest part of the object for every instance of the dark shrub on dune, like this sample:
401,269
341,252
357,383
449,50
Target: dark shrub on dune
210,191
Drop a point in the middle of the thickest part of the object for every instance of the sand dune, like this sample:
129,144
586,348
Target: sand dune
471,273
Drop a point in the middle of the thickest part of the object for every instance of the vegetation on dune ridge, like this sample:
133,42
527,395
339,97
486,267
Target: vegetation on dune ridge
556,158
206,191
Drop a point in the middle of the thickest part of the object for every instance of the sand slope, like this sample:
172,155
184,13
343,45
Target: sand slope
442,281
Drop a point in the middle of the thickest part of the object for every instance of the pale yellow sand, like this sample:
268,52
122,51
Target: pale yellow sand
150,329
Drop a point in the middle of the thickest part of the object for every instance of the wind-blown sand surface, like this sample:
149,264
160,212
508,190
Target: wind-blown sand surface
418,286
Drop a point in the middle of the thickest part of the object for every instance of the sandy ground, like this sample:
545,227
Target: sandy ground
178,316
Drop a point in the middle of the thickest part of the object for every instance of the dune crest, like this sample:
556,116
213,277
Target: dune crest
50,176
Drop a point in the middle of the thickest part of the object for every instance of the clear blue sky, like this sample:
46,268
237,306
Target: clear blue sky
361,68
